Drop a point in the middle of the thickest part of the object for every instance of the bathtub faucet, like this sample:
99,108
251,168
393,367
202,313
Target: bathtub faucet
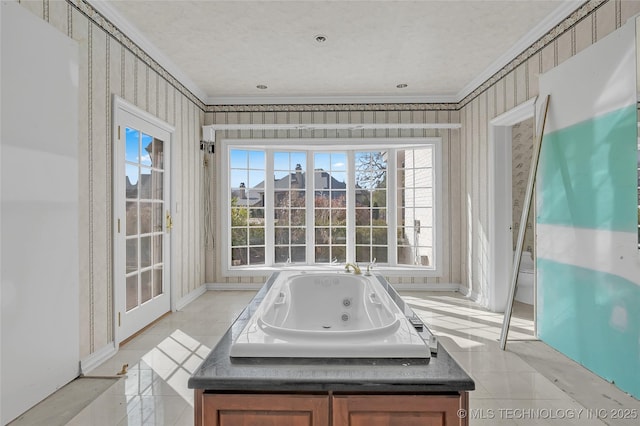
370,267
356,268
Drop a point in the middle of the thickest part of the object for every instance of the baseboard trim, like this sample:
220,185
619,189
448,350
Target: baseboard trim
401,287
95,359
427,287
473,295
234,286
190,297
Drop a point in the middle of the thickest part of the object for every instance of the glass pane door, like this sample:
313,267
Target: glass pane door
145,209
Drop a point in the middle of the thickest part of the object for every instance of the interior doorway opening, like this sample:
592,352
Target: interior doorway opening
510,147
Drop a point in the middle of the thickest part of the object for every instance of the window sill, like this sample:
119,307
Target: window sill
392,271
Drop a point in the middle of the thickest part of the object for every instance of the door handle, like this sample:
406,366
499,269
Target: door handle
169,221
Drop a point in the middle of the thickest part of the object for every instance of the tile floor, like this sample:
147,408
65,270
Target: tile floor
529,384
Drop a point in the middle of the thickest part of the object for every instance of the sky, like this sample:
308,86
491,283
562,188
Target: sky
132,152
248,166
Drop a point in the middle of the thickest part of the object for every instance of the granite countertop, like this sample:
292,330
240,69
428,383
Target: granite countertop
220,372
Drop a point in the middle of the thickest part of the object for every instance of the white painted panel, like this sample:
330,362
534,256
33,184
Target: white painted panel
39,206
587,94
602,250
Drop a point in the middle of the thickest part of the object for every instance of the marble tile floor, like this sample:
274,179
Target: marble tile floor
529,384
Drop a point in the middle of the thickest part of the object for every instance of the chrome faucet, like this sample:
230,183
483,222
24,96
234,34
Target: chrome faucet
370,267
356,268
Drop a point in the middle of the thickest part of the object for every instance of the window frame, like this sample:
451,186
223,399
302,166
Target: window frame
311,146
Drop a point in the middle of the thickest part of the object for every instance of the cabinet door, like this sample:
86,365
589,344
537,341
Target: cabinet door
264,410
396,410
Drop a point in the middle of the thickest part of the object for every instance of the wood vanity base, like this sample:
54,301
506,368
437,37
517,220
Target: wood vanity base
330,409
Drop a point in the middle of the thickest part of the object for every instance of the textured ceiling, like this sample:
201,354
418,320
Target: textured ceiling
226,48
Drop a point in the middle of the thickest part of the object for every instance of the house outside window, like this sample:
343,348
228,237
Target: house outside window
330,207
318,204
290,203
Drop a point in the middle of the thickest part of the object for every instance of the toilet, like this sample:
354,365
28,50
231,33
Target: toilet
526,278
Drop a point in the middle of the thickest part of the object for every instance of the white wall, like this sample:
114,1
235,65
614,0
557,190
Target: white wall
588,264
39,204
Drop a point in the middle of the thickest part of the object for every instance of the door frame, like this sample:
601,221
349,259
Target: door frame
501,203
119,104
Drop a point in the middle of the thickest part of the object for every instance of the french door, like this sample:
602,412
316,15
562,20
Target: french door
143,221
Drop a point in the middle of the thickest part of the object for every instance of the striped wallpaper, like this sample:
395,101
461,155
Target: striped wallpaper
111,64
521,152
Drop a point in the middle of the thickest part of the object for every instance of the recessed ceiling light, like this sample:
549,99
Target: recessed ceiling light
261,86
321,38
401,85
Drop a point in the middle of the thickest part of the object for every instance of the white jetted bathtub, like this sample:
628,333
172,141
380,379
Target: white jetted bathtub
328,315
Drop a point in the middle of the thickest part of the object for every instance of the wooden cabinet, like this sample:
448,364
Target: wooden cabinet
329,410
397,410
262,410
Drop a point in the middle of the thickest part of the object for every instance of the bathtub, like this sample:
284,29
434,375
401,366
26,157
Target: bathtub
328,315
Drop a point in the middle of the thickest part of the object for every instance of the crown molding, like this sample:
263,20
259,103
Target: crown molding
335,126
132,32
330,100
331,107
550,22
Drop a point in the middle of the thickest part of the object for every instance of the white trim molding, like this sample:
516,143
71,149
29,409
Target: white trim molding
543,27
209,131
458,288
94,360
125,112
131,31
500,204
233,286
190,297
428,287
353,99
516,114
310,146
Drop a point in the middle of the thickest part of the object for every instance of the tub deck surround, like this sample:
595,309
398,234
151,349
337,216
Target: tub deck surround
219,372
329,315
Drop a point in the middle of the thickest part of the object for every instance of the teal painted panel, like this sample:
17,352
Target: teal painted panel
592,317
587,174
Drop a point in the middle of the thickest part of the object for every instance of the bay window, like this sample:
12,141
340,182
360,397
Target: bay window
322,202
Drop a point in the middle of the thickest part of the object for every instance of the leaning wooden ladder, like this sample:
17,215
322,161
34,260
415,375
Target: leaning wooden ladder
535,158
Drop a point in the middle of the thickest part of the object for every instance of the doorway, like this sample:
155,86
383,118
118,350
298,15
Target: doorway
501,203
143,220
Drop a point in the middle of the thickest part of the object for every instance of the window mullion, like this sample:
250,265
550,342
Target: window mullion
351,210
269,232
310,210
392,209
438,245
225,167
